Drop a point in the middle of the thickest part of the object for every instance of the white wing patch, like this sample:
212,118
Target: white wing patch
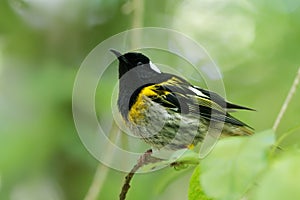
197,92
154,67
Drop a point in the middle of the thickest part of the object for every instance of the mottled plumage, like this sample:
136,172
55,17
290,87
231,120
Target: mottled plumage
168,112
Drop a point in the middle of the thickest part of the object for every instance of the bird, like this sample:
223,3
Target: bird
167,111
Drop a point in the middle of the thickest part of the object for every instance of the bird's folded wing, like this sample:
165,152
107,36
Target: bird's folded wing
178,95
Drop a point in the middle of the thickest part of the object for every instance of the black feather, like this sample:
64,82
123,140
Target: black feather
221,101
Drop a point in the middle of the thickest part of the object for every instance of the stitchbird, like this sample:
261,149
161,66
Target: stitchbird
166,111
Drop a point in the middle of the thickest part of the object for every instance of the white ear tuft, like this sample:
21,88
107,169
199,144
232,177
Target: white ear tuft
154,67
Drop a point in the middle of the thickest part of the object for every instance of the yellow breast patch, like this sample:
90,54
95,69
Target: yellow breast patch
138,109
140,106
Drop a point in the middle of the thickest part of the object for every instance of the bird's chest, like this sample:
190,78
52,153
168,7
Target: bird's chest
160,127
147,118
145,112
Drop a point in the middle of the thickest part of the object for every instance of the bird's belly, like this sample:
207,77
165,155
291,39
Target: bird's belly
165,128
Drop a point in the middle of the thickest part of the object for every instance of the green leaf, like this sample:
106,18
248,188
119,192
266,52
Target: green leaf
281,181
195,190
167,177
186,156
234,164
183,157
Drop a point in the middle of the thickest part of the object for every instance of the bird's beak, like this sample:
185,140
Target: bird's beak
120,57
118,54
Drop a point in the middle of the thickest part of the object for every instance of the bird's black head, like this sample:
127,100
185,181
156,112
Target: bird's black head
130,60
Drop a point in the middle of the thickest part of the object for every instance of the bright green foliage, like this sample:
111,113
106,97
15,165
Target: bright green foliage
281,180
234,165
195,190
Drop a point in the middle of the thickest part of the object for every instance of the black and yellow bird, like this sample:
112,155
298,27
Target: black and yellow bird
168,112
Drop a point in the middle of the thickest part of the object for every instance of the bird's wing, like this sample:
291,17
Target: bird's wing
180,96
221,101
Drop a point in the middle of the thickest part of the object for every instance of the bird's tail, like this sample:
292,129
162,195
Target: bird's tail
233,130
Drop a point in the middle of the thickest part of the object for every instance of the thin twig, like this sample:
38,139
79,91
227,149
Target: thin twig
97,183
144,159
282,138
137,22
287,101
102,170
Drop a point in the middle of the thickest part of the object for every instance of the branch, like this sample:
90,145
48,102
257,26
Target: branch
287,101
144,159
137,22
102,170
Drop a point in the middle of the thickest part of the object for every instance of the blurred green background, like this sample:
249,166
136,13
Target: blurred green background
42,44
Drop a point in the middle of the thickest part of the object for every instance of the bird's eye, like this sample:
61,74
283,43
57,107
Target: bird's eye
139,63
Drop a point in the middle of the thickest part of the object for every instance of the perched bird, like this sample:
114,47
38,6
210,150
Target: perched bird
168,112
